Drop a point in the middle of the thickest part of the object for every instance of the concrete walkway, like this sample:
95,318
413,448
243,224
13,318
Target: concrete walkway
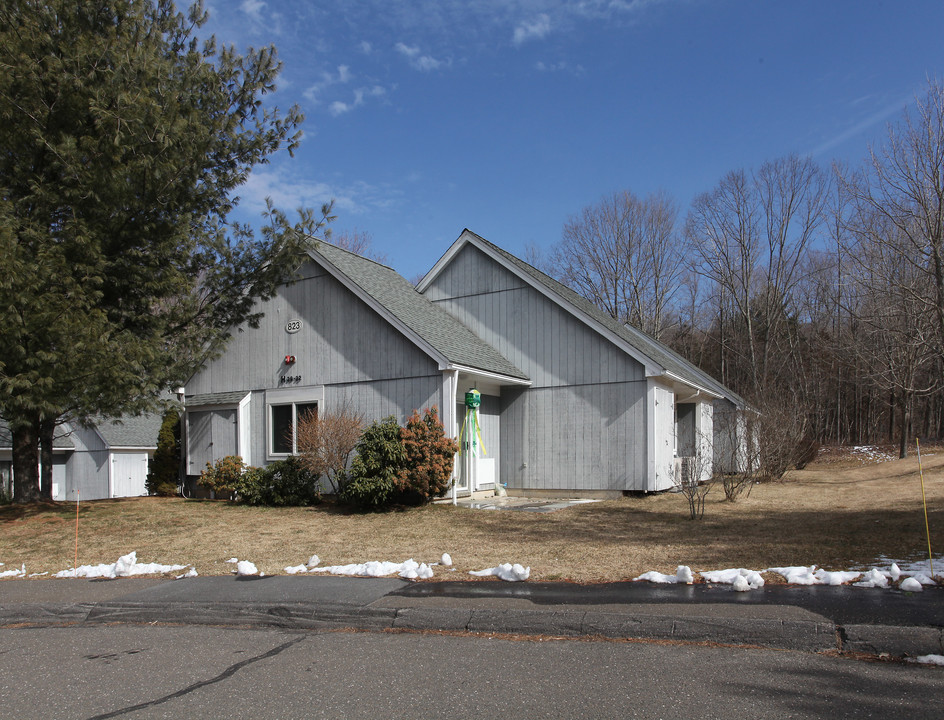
810,619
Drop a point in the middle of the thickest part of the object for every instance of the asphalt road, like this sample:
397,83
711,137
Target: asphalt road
843,604
154,671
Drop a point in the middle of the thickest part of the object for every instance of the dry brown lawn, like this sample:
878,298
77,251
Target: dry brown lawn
836,518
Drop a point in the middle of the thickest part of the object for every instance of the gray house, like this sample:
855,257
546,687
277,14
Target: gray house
107,459
572,401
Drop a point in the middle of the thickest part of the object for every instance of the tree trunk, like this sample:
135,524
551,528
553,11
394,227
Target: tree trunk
905,421
46,431
25,462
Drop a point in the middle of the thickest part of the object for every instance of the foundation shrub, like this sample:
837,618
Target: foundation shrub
282,483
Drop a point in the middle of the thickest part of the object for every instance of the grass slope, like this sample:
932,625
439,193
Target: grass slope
837,516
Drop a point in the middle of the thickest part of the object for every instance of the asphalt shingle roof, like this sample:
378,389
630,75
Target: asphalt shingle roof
60,440
221,398
131,431
447,335
648,346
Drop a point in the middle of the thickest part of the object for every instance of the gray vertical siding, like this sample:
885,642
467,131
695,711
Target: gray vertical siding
344,347
582,423
211,435
548,343
341,340
87,466
575,438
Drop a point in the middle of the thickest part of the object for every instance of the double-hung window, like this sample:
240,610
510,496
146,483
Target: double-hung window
284,410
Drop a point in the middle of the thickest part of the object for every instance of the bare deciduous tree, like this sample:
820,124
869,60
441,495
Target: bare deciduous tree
903,183
359,242
622,254
750,236
325,443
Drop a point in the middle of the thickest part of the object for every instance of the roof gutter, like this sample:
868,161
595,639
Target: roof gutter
506,379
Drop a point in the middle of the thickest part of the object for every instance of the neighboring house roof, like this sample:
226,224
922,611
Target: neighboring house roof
130,432
60,440
394,297
659,353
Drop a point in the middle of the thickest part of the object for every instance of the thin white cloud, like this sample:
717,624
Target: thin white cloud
289,192
342,76
361,95
533,30
253,9
861,126
417,59
365,47
561,66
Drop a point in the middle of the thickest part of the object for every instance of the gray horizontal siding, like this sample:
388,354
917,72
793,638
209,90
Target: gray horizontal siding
588,437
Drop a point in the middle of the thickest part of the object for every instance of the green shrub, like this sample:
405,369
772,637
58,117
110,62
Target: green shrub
223,477
164,468
368,492
285,482
373,480
429,457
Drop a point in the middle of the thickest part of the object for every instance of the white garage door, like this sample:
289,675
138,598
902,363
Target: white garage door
129,471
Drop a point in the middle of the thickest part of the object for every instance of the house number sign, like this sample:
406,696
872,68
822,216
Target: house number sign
293,326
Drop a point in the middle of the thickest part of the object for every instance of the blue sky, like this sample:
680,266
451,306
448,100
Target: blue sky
508,117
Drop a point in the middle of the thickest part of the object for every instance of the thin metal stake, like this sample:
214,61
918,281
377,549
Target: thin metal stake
75,571
924,500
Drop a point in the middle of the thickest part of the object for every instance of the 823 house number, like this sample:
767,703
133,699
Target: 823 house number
293,326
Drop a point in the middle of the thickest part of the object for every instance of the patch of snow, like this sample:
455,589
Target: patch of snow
445,560
294,569
38,574
797,574
909,584
408,569
413,571
313,561
125,566
505,571
741,578
924,579
654,576
908,566
233,560
928,659
683,575
870,453
13,573
801,575
244,568
192,572
874,578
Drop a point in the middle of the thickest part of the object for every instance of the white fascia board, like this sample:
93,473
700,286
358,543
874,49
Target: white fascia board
383,311
651,368
504,379
695,386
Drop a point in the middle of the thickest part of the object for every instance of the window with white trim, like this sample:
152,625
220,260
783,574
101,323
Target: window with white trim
283,419
284,410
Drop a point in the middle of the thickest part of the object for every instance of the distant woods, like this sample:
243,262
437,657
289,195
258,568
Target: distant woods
817,293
